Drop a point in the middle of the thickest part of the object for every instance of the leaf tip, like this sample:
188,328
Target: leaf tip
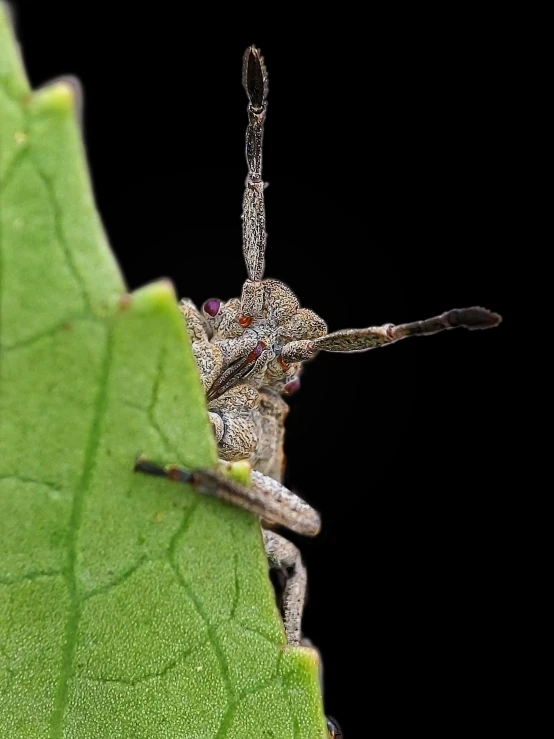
165,289
12,72
59,98
303,658
156,295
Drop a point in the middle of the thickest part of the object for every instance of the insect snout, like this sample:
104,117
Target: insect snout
238,370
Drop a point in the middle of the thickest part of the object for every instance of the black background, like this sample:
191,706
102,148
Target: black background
385,154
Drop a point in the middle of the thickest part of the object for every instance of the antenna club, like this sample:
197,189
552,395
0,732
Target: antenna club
254,78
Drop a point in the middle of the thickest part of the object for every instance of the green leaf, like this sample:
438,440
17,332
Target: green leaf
129,606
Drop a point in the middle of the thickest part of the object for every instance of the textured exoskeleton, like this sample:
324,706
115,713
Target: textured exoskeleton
250,351
244,374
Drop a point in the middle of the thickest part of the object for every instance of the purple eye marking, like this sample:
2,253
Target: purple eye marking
211,307
292,386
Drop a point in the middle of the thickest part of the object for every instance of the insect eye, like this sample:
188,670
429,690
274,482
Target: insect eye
245,321
212,307
256,351
292,386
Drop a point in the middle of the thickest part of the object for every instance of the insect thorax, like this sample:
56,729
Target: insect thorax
242,371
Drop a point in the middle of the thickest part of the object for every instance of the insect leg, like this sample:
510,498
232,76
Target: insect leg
233,419
235,434
282,554
265,497
333,728
197,326
254,80
286,508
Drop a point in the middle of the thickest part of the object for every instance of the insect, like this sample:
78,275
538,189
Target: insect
250,352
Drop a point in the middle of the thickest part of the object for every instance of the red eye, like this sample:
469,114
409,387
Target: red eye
245,321
256,351
212,307
292,386
282,362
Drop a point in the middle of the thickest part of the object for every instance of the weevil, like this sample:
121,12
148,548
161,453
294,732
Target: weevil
250,352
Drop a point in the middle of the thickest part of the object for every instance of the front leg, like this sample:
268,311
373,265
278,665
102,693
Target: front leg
265,498
233,419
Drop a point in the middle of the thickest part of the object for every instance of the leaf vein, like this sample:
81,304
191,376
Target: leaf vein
30,576
226,721
22,478
60,235
173,664
212,636
62,326
258,632
275,678
229,715
151,410
70,645
236,597
125,575
12,167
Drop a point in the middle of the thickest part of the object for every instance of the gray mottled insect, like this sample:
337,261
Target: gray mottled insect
250,352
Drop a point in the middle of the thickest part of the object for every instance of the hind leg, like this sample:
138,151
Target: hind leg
282,554
271,501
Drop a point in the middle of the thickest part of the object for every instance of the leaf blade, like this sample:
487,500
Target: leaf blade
129,606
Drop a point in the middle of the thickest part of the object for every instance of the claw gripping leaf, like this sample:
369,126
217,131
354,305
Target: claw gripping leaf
129,607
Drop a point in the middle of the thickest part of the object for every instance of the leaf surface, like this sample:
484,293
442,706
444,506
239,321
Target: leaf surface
130,607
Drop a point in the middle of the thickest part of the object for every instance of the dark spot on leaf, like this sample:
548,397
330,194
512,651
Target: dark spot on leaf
125,301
